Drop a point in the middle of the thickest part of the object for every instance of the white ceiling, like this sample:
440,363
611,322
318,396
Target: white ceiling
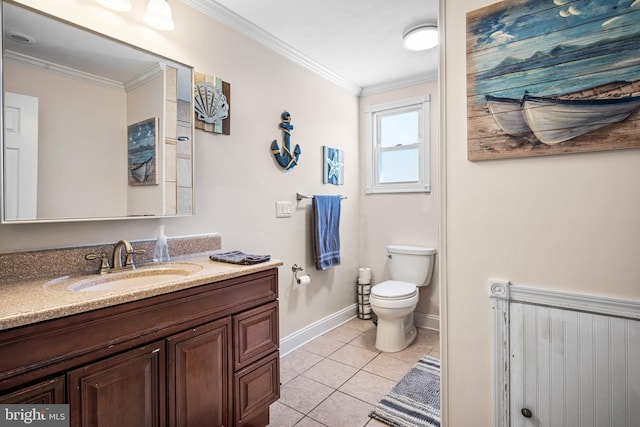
356,43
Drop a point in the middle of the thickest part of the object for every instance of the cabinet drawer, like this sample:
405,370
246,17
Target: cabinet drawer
256,387
255,334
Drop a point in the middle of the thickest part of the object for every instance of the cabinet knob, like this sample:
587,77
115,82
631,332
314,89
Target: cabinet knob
526,412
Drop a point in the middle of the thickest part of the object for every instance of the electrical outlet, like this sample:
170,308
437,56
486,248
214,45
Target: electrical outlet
283,209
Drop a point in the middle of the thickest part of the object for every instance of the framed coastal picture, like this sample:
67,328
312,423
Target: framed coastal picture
553,77
333,166
142,152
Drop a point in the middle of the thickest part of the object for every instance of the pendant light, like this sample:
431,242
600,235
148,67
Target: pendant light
118,5
158,15
421,37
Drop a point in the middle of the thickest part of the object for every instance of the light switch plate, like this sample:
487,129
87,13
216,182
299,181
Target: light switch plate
283,209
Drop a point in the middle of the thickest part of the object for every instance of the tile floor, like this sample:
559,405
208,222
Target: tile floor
336,379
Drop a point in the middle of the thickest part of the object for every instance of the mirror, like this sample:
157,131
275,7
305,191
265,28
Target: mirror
93,128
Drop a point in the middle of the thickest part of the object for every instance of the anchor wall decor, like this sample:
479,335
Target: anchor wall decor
288,159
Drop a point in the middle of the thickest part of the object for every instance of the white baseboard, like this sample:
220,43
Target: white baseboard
427,321
314,330
299,338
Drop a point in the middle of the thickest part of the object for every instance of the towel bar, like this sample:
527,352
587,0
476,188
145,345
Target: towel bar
302,196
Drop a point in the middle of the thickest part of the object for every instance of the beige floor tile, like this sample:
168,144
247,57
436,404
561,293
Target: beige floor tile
323,346
353,356
343,333
366,340
388,367
282,416
375,423
360,324
340,410
299,360
303,394
286,375
428,337
336,379
368,387
412,353
331,373
308,422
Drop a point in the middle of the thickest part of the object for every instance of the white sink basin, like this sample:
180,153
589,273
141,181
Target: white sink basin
132,279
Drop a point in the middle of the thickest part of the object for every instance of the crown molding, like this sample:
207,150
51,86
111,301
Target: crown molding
150,74
235,21
69,72
400,83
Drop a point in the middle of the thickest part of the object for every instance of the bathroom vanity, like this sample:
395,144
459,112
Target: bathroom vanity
193,352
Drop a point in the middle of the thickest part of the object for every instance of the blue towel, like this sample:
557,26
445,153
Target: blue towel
326,231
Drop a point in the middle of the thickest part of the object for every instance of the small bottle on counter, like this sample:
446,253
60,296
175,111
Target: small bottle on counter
161,252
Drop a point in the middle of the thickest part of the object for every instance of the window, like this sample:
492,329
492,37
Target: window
398,146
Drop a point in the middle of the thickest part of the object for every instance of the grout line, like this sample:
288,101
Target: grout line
429,348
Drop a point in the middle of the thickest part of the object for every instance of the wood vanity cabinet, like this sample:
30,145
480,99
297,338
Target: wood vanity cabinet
203,356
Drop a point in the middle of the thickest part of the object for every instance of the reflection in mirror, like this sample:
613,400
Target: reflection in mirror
93,128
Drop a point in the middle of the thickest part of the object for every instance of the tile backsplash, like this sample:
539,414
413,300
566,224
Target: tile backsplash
49,263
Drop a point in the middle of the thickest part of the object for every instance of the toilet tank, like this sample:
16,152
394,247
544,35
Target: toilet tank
412,264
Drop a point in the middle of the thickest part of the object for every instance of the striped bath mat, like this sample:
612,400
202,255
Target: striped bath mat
415,400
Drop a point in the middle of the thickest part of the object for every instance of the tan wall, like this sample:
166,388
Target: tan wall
568,222
404,219
85,167
237,179
144,102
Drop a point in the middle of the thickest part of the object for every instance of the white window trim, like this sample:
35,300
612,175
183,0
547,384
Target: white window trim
423,185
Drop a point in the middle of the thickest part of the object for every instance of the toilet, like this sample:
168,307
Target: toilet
393,301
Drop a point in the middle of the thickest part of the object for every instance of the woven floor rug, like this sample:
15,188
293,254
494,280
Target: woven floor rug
415,400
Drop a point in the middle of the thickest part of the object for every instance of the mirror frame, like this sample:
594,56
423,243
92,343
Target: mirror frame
161,144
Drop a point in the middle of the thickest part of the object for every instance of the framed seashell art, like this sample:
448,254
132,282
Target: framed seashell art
212,104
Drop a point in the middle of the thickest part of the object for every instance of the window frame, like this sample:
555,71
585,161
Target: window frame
373,148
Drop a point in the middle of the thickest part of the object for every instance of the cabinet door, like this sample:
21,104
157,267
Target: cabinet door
200,376
46,392
123,390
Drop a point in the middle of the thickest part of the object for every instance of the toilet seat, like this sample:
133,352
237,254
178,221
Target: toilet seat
394,290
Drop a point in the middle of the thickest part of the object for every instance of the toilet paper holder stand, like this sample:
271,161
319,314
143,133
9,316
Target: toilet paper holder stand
296,269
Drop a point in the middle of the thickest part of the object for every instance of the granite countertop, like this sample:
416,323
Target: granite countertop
32,301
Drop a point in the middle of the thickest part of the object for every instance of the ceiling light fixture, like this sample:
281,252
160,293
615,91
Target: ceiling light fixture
421,37
118,5
158,15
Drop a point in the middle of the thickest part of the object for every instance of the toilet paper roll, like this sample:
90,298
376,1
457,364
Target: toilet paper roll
304,280
364,275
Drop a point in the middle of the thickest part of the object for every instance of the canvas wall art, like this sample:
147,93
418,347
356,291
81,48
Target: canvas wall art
333,166
553,77
142,152
212,103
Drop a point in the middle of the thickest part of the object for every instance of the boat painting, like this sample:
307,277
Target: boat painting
554,51
555,120
142,152
508,114
141,172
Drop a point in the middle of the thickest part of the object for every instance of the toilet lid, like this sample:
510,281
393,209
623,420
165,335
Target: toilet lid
394,289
